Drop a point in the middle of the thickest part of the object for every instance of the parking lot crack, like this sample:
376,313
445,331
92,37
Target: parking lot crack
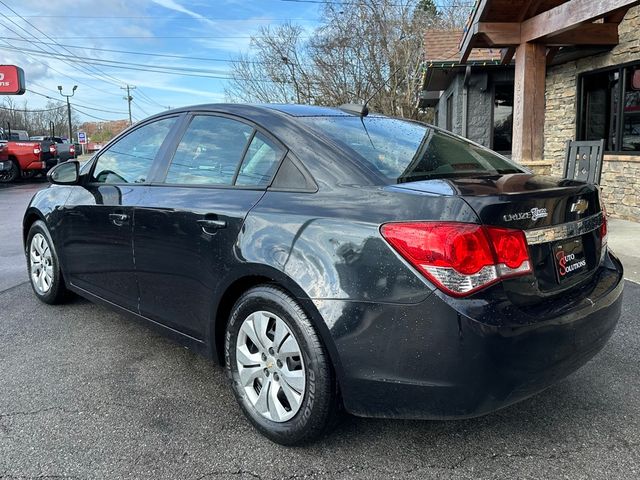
217,473
37,412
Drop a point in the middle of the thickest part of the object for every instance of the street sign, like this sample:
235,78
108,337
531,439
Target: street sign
82,138
11,80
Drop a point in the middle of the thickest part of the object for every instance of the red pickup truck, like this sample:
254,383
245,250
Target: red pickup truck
26,159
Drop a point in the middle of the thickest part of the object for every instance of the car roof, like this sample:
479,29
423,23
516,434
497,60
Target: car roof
307,110
291,110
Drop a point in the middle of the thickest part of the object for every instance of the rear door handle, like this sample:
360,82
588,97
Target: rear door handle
118,219
210,224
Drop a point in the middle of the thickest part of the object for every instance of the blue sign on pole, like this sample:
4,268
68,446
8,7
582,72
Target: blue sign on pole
82,137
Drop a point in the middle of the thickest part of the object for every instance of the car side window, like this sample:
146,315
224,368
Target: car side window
260,162
209,152
129,160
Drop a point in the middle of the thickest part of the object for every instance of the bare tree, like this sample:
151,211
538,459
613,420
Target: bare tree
38,121
277,72
364,50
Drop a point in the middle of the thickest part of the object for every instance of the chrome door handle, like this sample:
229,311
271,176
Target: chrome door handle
211,224
118,219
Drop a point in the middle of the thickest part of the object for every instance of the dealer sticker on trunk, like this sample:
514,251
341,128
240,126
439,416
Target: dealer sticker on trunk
569,258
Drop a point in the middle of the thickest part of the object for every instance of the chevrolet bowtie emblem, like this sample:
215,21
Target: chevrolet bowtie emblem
580,206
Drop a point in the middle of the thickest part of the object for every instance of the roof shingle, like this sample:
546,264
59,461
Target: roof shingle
442,45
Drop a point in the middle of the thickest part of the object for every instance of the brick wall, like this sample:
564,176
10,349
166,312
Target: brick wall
621,175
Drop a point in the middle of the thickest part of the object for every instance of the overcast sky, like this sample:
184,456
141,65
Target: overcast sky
216,30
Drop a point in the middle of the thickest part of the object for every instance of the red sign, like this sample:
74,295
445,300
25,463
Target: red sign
11,80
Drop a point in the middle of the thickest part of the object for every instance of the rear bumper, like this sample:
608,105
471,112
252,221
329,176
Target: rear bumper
443,359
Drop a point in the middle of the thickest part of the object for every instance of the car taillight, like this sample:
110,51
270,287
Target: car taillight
36,150
460,258
72,149
53,149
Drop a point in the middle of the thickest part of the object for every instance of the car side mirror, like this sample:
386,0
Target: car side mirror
67,173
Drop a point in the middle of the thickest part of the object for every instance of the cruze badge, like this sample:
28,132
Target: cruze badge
580,206
533,214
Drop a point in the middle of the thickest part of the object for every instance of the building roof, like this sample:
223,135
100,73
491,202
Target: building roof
443,46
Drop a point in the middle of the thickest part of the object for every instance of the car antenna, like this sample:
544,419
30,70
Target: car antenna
362,109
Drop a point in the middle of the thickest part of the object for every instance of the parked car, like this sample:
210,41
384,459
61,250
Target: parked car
26,159
18,135
332,260
65,150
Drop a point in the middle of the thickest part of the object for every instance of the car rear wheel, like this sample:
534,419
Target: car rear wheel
10,174
43,266
280,372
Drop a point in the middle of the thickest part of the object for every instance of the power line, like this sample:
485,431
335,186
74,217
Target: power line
130,52
26,110
48,54
86,69
93,116
147,99
75,104
164,17
359,2
153,69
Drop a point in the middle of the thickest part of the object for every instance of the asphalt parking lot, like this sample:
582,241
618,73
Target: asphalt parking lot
86,393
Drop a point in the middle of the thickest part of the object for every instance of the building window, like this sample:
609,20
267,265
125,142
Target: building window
502,118
450,113
609,108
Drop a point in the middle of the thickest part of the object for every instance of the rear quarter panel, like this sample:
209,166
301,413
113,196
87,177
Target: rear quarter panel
329,242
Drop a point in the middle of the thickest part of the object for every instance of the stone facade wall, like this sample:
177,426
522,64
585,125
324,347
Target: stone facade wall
480,103
620,174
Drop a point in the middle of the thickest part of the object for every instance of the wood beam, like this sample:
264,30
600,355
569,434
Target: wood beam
506,55
551,54
616,17
499,34
570,14
529,106
531,11
587,34
466,45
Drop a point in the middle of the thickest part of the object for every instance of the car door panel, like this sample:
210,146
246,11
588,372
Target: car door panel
97,229
186,226
184,242
96,245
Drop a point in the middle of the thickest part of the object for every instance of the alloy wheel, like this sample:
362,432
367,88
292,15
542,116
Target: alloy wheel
41,264
270,366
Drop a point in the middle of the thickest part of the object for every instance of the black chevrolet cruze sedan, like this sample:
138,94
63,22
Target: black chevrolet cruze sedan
333,260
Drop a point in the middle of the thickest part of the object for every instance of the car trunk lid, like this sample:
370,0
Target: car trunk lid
561,219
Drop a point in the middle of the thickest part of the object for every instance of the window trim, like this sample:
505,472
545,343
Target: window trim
621,68
163,169
449,114
493,111
157,159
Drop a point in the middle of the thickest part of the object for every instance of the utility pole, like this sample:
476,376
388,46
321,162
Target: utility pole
73,91
129,98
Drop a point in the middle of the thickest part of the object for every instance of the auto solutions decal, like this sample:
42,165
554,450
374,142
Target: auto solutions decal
567,263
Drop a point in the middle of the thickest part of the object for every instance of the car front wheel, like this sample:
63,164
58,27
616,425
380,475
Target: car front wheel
43,266
280,372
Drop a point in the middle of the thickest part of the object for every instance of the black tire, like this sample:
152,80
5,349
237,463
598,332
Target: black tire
318,409
11,174
57,292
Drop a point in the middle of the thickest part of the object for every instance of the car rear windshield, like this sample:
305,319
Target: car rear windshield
403,151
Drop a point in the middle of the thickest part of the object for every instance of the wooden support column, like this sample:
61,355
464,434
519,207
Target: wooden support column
529,105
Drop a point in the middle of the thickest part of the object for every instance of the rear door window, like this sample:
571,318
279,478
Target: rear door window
260,162
209,152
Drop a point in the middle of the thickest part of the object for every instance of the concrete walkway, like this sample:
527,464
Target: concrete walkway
624,241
